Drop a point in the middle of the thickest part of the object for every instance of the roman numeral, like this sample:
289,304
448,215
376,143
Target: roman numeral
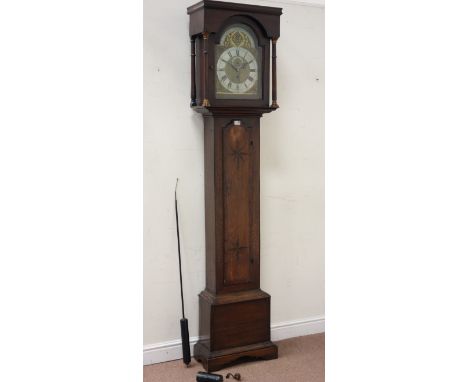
250,78
223,78
253,70
229,84
237,51
229,52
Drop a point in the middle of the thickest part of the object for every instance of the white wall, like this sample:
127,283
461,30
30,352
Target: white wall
292,171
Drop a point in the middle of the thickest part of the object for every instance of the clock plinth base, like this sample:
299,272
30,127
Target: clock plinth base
234,328
217,360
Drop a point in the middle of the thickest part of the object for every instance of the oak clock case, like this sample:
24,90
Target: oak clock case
230,87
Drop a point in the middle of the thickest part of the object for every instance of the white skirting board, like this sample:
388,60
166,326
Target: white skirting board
171,350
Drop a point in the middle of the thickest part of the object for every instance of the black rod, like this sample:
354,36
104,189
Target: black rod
178,247
184,330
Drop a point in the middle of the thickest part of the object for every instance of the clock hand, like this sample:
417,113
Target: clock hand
228,62
245,64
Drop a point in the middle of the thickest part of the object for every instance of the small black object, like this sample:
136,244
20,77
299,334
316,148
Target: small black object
208,377
183,321
236,376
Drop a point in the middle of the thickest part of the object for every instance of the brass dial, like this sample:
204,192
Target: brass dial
237,70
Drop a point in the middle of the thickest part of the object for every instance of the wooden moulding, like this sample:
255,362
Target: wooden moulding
209,15
217,360
237,112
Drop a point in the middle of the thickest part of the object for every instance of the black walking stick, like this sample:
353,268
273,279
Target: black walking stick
183,321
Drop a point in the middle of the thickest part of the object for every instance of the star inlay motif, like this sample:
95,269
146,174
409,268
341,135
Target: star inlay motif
238,155
237,249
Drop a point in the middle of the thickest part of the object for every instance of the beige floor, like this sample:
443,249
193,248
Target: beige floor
300,359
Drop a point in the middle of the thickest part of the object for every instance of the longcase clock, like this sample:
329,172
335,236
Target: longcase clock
232,46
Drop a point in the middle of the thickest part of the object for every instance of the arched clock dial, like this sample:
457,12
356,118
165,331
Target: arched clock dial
238,64
237,70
